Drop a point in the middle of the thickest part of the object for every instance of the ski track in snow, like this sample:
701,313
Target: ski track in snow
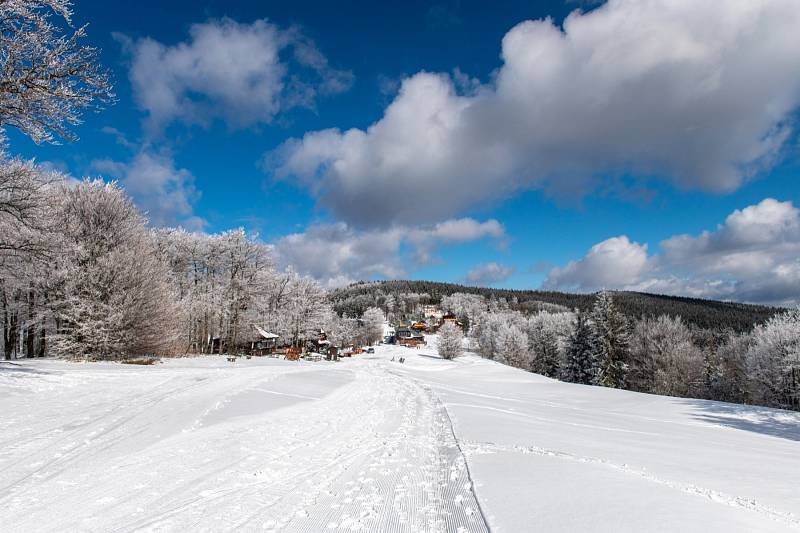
376,453
367,444
789,519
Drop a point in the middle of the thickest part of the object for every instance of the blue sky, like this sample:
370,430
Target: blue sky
627,121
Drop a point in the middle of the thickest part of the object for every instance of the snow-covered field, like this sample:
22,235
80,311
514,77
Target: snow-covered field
201,444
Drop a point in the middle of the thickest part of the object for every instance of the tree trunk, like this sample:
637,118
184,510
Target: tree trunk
6,331
13,329
42,340
30,330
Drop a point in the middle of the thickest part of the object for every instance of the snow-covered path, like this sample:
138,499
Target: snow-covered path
204,445
370,444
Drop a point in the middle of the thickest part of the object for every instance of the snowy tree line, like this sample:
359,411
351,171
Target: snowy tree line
706,314
83,276
660,355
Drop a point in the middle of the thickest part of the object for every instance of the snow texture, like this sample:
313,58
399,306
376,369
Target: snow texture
369,444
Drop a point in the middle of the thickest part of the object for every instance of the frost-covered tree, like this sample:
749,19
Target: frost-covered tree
27,248
390,306
47,76
547,334
111,293
512,346
580,363
487,331
373,325
304,311
450,341
47,79
342,330
611,341
481,337
774,361
228,285
464,306
246,281
731,383
663,359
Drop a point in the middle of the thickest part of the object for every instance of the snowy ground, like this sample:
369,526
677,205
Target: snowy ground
370,444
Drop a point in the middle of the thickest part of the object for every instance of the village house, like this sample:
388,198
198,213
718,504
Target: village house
432,311
264,343
419,325
408,336
450,317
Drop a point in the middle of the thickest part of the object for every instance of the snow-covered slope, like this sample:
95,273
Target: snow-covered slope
370,444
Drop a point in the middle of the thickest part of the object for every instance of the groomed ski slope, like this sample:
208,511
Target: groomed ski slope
201,444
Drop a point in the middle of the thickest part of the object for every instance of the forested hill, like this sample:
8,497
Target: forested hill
709,314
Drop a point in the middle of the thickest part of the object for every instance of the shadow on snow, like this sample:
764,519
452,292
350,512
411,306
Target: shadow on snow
773,422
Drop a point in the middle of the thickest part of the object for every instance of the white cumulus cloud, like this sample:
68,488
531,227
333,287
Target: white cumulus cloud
241,73
612,263
754,256
337,254
488,274
700,94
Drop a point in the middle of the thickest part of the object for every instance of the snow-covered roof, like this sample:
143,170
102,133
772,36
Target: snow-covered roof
265,333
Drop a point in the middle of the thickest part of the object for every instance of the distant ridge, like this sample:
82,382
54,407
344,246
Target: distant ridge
709,314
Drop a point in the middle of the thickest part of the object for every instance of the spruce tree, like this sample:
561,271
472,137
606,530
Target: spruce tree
611,341
546,357
580,364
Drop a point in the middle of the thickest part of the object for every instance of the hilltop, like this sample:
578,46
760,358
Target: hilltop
708,314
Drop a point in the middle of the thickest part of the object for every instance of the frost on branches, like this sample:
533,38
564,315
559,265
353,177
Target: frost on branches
226,283
47,76
23,216
373,325
774,361
450,341
611,340
109,291
663,358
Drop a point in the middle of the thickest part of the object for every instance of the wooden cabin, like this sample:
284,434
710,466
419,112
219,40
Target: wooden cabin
450,317
419,326
264,343
408,336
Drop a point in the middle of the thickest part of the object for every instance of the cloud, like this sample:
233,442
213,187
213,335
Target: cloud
164,192
754,256
699,94
488,274
337,254
236,72
751,241
609,264
119,137
454,231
